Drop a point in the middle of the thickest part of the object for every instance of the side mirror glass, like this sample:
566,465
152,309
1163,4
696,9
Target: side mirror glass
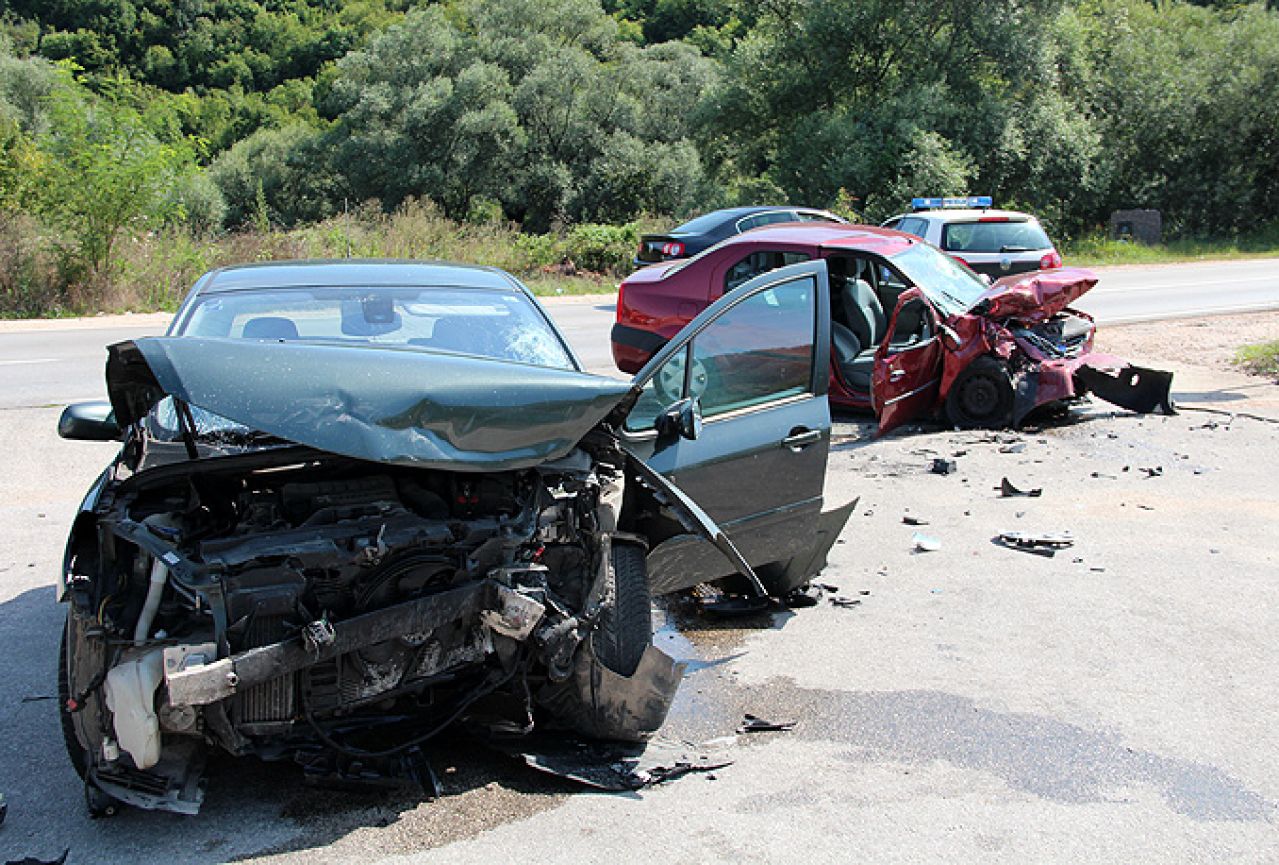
949,338
683,419
89,421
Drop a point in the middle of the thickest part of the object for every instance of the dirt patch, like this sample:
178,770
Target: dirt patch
1207,342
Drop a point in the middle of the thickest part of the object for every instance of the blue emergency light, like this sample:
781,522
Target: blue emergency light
973,201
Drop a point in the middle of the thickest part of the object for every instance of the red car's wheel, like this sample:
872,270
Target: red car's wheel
982,396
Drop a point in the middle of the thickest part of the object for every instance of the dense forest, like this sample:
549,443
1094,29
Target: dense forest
142,139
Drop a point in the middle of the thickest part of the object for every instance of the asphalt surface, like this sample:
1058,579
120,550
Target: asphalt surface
1113,703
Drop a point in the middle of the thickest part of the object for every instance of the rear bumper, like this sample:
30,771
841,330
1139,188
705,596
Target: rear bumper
633,347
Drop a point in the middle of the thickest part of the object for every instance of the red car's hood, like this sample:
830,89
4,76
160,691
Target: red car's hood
1036,296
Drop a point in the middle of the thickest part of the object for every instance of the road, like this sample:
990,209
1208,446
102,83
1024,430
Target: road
61,363
1129,294
1112,704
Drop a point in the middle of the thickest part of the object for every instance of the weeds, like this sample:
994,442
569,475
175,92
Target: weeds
1260,358
1096,249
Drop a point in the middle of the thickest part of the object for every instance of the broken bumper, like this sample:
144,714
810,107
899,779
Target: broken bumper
1109,378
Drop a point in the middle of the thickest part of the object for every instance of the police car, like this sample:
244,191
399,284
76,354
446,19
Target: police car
996,243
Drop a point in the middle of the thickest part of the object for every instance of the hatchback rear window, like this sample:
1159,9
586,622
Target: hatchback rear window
993,237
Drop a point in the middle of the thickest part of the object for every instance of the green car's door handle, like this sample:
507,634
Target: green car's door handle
798,440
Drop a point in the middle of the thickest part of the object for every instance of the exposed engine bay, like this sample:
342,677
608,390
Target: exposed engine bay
269,609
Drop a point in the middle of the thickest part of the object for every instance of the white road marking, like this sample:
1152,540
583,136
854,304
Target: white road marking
27,360
1186,313
1221,283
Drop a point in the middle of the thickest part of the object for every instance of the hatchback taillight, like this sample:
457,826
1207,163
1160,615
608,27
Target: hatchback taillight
674,250
1049,261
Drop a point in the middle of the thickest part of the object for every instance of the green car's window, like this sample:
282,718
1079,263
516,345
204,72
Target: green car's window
758,352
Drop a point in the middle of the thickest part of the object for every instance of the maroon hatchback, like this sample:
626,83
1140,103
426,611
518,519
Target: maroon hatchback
913,332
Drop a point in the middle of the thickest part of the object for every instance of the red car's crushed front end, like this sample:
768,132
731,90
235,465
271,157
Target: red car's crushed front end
1027,323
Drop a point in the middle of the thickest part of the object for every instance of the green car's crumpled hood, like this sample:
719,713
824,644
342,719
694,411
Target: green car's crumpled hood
404,406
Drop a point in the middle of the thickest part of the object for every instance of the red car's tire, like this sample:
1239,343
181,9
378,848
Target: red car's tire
982,396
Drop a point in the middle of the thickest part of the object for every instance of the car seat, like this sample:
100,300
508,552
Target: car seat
854,346
270,327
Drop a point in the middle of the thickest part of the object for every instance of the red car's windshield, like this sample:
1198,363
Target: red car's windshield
950,286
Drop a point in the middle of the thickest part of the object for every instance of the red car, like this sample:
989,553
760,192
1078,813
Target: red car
985,355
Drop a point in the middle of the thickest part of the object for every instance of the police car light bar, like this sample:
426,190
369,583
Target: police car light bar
973,201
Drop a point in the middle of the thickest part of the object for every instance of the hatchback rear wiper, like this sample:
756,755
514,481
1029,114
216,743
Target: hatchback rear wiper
1014,249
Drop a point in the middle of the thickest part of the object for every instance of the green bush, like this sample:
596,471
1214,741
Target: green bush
1260,359
602,248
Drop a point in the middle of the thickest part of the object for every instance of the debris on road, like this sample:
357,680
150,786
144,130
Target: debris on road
912,520
31,860
4,809
944,466
1008,491
1017,448
842,601
613,766
809,595
753,724
925,543
1104,476
1042,544
1152,471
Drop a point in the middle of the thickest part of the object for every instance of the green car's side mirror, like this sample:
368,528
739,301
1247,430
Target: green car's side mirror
683,418
89,421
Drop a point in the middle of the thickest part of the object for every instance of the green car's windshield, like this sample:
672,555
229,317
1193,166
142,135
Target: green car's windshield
950,286
504,325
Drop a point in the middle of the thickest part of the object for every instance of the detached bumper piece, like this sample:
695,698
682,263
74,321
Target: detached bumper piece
1135,388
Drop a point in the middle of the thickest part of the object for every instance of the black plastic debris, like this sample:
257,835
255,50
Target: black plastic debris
4,809
1153,471
912,520
753,724
736,605
330,770
1008,491
31,860
614,766
1041,544
1104,476
805,596
944,466
846,602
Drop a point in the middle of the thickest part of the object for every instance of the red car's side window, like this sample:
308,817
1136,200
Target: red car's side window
759,262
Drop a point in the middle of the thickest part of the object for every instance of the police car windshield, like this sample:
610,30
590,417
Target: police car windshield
950,286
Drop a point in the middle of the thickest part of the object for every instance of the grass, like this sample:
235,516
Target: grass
153,271
1096,250
1260,358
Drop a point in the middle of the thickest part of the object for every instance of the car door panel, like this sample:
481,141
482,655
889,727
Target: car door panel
907,375
757,469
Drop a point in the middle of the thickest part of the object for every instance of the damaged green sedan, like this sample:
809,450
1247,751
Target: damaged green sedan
358,502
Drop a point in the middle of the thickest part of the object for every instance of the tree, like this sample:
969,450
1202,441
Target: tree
104,172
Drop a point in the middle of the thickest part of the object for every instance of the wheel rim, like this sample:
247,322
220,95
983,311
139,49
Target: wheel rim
980,397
